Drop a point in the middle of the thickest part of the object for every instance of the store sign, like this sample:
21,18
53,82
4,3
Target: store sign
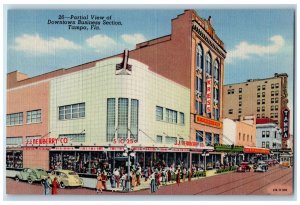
228,148
208,95
207,121
46,141
255,150
124,141
189,143
285,124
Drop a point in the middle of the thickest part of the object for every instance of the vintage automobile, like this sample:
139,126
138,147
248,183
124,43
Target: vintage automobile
261,166
31,175
66,178
244,166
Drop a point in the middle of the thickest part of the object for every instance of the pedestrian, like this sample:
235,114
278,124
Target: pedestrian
113,182
117,176
123,181
146,174
46,185
138,176
99,185
184,174
153,186
178,176
104,179
55,185
190,174
133,179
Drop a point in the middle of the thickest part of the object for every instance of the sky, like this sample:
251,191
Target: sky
259,42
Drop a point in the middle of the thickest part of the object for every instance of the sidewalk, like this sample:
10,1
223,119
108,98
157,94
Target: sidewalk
146,185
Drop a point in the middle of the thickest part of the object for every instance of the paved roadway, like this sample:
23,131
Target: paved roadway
276,181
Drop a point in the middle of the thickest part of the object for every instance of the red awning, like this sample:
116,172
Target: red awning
256,150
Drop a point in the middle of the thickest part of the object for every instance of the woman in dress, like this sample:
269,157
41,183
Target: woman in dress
99,185
178,176
55,185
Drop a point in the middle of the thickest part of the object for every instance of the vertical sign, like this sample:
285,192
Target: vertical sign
285,123
208,96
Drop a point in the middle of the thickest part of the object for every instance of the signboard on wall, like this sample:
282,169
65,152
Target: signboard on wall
207,121
47,141
285,124
208,95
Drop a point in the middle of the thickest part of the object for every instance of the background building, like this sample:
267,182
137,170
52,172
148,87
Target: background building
264,98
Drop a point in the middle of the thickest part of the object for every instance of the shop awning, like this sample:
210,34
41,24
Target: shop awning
256,150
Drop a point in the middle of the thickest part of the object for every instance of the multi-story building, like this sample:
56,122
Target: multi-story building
264,98
163,99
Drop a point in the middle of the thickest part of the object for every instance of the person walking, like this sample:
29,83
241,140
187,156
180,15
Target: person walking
99,185
138,176
146,174
190,173
184,174
117,176
46,185
104,179
55,186
113,182
178,176
153,186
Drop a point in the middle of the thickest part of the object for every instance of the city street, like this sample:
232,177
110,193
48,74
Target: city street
276,181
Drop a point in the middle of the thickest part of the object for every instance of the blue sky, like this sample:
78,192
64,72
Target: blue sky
259,42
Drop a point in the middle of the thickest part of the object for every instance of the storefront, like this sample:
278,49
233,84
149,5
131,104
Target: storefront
233,155
253,154
14,158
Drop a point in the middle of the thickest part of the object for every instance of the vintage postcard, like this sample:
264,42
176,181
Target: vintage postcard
190,101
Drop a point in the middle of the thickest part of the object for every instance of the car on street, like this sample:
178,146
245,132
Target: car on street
260,166
31,175
243,167
66,178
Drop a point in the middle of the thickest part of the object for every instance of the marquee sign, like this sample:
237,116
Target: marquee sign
285,124
208,95
207,121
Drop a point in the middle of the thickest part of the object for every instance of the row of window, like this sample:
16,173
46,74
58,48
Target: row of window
73,111
208,138
249,137
33,116
168,139
170,115
266,144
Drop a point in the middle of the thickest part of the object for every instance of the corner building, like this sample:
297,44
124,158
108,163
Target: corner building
165,97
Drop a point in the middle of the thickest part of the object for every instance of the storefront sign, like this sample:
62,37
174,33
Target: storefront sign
91,148
63,148
208,95
207,121
124,141
255,150
45,141
285,124
189,143
36,148
228,148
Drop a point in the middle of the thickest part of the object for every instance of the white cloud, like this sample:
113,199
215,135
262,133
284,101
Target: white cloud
36,45
133,39
245,50
100,42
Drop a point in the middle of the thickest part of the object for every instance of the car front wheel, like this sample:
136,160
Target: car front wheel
62,185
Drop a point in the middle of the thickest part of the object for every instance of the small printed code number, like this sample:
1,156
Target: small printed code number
279,189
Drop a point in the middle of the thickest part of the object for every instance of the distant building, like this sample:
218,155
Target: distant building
268,134
264,98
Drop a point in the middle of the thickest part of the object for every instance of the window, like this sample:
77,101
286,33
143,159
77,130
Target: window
122,118
181,114
272,115
199,57
240,103
74,137
276,100
263,94
111,119
216,113
170,140
159,113
230,111
240,90
230,91
263,108
272,100
258,109
267,144
239,136
34,116
240,110
208,63
208,139
276,115
240,97
258,101
272,86
276,107
199,108
159,139
277,85
258,95
216,139
258,115
134,119
263,87
74,111
263,133
14,119
14,140
267,133
276,92
272,93
199,83
272,107
263,144
199,136
263,115
258,88
251,138
216,70
244,135
216,95
14,159
247,138
171,116
263,101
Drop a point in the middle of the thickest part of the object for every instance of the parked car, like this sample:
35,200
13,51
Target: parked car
244,166
261,166
31,175
66,178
